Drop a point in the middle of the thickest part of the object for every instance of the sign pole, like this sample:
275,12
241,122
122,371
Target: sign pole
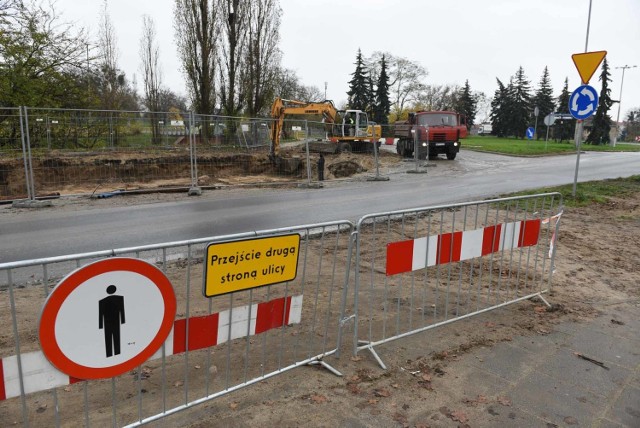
546,138
579,124
578,144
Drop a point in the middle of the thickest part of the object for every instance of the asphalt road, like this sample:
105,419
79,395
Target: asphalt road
40,233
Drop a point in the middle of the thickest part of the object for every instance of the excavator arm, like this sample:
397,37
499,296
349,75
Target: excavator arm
282,108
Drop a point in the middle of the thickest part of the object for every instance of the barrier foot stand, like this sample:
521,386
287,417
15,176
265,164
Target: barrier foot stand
326,366
377,178
375,355
539,296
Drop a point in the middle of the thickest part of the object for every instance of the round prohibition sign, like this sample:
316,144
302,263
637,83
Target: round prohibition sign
107,318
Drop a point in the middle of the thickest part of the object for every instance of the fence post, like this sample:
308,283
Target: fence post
376,158
194,190
31,180
416,148
24,154
306,139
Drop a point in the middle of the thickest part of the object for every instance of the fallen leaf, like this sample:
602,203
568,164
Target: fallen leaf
319,399
426,385
233,405
505,401
569,420
41,409
426,377
354,378
540,309
459,416
67,388
395,385
373,401
353,388
356,358
178,383
196,367
381,392
399,417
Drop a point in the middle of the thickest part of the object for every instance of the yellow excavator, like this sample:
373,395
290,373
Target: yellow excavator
347,130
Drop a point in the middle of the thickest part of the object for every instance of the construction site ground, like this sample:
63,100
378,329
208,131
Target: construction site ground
576,363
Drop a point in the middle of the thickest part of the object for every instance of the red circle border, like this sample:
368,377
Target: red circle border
57,297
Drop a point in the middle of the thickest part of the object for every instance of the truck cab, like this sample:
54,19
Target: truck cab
438,132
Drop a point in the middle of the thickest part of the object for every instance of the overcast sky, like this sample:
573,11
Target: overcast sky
454,40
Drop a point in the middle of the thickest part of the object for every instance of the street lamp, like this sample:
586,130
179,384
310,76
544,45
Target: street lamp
615,137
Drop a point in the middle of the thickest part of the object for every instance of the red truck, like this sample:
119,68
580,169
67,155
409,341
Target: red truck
445,129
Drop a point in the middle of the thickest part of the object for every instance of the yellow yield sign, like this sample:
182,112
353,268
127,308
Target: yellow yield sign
587,63
241,265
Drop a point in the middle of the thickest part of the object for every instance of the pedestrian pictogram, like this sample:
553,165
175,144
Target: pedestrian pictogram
583,102
587,63
111,316
107,318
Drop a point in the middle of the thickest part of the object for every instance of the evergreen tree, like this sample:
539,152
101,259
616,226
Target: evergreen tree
466,104
371,101
382,102
358,94
564,128
601,125
522,109
543,98
499,112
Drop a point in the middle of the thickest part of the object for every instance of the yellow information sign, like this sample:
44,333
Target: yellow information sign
241,265
587,63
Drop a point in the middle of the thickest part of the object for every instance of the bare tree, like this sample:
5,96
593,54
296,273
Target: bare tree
405,79
196,31
262,54
436,97
150,55
234,25
112,80
287,85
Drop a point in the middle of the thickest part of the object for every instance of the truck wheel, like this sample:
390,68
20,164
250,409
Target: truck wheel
451,156
344,148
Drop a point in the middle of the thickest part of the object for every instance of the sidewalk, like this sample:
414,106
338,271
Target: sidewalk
548,383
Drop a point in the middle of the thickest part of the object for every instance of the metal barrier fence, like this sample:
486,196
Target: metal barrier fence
216,346
413,270
423,268
12,177
52,152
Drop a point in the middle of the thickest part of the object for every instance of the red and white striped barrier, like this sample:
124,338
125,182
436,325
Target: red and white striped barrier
39,375
416,254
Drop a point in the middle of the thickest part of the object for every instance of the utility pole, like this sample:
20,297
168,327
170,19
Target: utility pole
615,137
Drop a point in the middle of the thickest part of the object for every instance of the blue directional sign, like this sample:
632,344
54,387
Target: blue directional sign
530,132
583,102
